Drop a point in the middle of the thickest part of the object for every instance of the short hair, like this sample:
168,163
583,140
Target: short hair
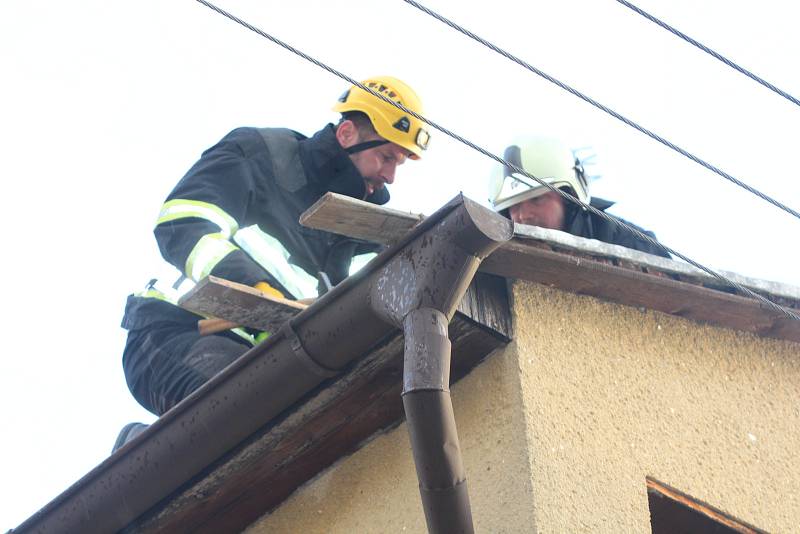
361,120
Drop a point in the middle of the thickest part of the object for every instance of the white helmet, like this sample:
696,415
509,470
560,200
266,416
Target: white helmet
549,160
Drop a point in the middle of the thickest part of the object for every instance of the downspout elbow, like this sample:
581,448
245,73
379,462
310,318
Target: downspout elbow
419,289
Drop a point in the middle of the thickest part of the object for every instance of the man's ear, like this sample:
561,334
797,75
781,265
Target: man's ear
347,134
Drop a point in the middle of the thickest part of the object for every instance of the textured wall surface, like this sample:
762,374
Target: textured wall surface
560,429
613,394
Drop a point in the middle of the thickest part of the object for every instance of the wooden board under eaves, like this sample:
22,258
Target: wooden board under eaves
241,304
518,259
586,267
355,218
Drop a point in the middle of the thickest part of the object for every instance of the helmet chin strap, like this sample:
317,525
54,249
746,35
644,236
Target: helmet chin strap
366,145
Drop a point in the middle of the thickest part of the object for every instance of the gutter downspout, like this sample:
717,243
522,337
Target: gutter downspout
432,425
419,290
429,268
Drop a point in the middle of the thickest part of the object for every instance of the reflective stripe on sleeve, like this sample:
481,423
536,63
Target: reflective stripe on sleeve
180,209
273,256
153,293
242,333
206,254
358,262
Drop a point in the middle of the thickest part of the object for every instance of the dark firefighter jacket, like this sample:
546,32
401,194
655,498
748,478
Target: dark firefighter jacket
583,223
254,178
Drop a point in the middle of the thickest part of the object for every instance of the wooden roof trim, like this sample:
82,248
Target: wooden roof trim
523,260
589,267
356,218
570,243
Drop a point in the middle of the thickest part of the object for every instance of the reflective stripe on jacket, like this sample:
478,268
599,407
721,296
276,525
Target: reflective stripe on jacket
235,214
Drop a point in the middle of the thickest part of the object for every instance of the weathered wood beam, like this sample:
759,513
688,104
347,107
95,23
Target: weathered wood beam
589,267
345,215
246,306
519,259
240,304
383,225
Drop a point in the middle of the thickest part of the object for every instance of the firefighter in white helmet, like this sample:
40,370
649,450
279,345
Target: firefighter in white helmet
525,201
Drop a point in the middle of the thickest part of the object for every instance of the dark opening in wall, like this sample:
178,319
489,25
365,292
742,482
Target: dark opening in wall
674,512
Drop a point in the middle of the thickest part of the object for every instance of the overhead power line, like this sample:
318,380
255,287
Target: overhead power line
600,106
738,287
709,51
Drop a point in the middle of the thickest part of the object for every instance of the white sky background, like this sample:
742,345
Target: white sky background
104,105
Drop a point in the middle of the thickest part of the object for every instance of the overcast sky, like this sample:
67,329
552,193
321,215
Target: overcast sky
104,105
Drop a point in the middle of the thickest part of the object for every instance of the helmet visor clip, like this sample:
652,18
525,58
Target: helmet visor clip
423,137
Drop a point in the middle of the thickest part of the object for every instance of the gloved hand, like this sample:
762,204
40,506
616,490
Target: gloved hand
267,289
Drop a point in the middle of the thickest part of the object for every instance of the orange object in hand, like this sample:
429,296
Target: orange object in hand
268,290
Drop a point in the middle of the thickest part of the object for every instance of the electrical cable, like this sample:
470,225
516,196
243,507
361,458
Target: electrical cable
600,106
709,51
738,287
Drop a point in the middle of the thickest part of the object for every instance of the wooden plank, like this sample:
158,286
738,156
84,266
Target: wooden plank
589,267
485,302
330,423
719,517
592,248
332,213
355,218
240,304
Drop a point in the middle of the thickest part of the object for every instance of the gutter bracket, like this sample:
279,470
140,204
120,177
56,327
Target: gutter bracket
288,331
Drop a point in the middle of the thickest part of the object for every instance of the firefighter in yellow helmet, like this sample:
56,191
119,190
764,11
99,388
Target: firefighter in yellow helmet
235,215
380,124
526,201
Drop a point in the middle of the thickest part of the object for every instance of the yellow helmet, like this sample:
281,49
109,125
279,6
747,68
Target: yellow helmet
390,122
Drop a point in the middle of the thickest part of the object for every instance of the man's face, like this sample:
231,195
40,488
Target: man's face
378,165
546,210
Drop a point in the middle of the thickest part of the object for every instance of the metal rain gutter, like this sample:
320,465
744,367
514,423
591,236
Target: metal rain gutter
429,269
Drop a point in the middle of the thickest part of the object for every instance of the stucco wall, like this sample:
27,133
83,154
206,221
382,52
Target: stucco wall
629,393
560,429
